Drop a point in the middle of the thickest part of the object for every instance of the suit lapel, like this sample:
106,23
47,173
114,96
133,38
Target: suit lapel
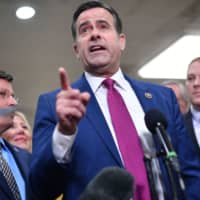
22,163
190,128
144,95
19,160
95,116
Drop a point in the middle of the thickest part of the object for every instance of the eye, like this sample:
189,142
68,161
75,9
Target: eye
190,78
3,94
104,26
25,127
84,29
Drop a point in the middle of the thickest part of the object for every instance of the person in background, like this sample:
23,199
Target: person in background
76,135
192,117
180,92
20,133
17,159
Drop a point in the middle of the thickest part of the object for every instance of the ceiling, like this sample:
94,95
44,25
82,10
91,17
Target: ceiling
33,50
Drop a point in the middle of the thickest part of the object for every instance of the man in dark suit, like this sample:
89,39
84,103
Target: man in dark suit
192,117
17,159
74,137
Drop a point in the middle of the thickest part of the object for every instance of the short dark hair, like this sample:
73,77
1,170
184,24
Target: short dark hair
95,4
6,76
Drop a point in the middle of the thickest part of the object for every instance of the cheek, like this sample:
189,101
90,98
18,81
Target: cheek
8,136
29,135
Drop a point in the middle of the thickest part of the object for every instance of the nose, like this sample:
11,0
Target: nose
20,130
12,101
197,80
95,34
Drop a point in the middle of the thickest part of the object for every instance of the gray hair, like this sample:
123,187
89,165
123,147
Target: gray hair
180,85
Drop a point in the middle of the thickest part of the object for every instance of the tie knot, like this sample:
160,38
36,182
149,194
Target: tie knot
108,83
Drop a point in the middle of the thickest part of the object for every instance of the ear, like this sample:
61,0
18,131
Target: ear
122,38
76,50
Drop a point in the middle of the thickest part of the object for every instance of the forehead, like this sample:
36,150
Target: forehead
194,68
4,84
94,14
17,118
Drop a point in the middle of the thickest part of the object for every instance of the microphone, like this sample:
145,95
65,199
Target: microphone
111,183
7,110
157,124
6,123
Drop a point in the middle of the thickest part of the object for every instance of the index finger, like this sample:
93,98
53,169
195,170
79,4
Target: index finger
64,80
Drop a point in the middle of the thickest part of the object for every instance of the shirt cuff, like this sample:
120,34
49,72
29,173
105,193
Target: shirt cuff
62,145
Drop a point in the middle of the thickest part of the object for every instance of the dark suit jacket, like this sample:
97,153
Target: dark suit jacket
190,128
22,159
94,147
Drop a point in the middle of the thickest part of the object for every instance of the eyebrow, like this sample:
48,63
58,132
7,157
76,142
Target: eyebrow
98,21
83,24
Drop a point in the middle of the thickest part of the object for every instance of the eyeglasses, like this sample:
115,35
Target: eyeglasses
4,94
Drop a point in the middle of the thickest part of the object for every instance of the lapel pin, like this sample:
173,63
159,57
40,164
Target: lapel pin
148,95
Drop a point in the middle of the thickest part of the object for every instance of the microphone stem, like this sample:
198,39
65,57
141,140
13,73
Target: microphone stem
148,160
171,179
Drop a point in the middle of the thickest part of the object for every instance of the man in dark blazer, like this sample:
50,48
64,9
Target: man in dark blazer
17,159
73,137
192,117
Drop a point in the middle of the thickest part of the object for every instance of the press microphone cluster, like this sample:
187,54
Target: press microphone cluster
157,124
111,183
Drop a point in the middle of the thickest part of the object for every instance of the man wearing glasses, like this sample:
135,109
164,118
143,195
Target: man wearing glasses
13,161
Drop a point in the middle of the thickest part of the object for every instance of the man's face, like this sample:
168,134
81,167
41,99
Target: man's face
193,84
6,99
98,44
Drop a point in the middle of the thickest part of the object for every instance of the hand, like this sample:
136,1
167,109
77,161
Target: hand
70,105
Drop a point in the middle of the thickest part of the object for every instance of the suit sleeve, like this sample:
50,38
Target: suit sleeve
46,175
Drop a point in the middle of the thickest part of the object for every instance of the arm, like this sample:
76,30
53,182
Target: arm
63,108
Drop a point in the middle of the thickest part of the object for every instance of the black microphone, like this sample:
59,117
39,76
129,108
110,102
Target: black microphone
111,183
157,124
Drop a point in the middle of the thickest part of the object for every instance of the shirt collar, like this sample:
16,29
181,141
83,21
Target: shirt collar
2,143
95,82
195,114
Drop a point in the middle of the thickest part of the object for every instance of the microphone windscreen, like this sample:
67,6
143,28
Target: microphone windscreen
152,118
8,110
111,183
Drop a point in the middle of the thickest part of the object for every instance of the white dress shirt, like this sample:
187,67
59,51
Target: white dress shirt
196,123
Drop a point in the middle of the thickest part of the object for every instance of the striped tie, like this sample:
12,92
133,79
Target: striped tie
6,171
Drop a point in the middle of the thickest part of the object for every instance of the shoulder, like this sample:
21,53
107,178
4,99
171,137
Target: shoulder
148,86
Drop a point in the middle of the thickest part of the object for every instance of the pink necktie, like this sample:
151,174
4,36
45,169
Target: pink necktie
128,141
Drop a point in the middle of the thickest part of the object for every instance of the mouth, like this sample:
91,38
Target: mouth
96,48
20,139
196,93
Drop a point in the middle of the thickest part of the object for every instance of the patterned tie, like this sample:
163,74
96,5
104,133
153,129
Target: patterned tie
128,140
6,171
